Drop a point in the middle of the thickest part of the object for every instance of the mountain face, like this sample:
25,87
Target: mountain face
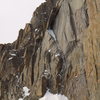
58,50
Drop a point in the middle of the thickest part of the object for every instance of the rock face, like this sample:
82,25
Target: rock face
58,50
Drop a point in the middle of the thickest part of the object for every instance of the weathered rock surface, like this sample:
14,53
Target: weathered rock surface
68,64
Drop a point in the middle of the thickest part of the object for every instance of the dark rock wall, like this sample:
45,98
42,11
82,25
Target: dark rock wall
69,64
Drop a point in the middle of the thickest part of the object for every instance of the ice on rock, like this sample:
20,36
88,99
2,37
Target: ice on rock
52,34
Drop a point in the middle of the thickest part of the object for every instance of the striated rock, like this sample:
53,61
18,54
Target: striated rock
58,50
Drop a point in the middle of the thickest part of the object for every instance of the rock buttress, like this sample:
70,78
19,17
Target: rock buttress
69,64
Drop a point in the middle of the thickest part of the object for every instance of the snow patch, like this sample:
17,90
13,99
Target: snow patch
36,29
20,99
46,72
26,91
50,96
57,55
52,34
17,76
49,50
12,54
10,58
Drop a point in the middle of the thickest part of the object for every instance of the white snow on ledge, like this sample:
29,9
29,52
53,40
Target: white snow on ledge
50,96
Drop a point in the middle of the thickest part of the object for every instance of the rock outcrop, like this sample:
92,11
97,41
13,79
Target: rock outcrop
58,50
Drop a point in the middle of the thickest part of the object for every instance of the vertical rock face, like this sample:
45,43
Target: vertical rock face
58,50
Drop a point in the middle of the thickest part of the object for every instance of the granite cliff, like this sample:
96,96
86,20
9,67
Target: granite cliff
58,50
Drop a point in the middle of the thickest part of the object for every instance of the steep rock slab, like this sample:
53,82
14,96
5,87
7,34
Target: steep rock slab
58,50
